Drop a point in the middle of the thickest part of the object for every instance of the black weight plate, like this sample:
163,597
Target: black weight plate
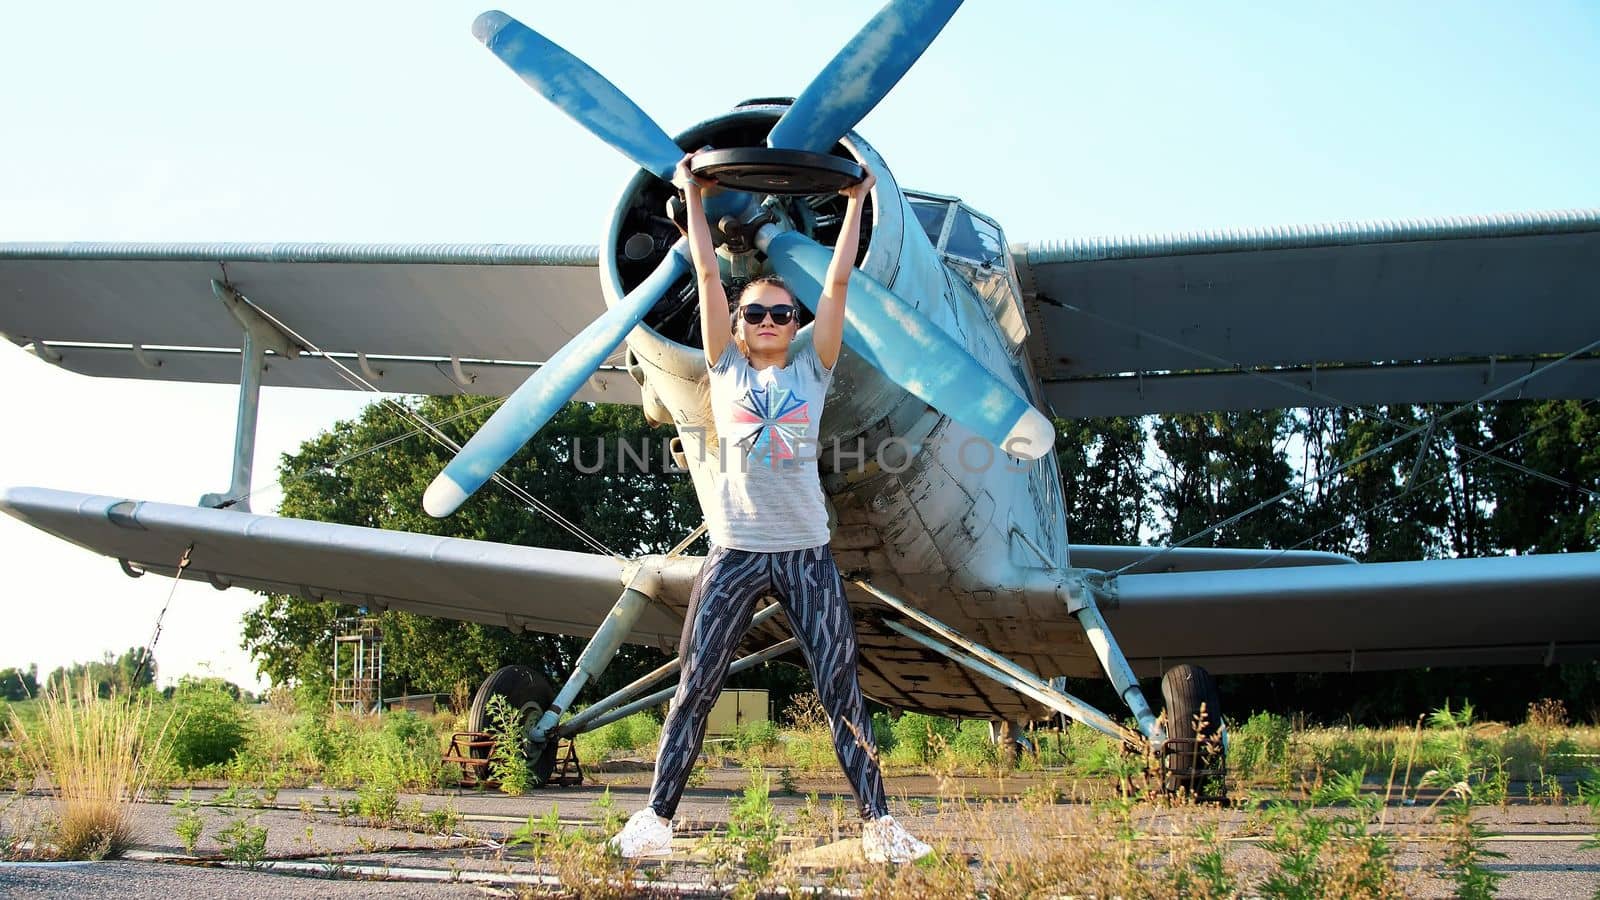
767,171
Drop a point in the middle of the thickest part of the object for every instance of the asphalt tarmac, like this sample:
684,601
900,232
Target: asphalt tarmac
317,847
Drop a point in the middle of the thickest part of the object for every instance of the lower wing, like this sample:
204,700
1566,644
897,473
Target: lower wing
1488,611
522,588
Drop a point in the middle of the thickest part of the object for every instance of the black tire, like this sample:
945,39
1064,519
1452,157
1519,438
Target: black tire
545,765
1009,742
523,688
1190,693
1194,713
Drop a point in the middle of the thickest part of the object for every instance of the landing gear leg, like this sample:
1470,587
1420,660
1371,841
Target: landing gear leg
1081,604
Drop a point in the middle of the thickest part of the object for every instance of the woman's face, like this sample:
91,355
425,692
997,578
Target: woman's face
765,336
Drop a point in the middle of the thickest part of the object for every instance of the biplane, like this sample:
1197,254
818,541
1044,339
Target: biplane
936,459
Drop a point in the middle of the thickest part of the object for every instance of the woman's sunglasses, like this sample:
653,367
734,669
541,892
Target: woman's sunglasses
754,312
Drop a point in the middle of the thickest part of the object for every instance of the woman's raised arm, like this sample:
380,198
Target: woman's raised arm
715,332
827,333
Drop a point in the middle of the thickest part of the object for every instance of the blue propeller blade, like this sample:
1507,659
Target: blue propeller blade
578,91
861,74
532,404
916,353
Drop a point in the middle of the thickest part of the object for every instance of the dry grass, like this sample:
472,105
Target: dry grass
1003,849
97,755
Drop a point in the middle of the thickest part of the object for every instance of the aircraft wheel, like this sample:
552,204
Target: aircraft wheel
545,765
526,690
1009,742
1193,758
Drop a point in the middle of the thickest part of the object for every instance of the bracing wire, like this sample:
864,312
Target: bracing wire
1383,504
432,431
155,633
1313,393
354,455
1345,466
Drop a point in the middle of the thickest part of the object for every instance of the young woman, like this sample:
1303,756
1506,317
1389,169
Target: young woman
768,528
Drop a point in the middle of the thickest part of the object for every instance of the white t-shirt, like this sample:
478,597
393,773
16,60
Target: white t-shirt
768,496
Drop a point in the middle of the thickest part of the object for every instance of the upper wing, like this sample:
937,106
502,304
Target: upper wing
1344,314
412,319
529,588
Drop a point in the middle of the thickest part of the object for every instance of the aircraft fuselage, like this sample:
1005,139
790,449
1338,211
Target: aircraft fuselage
919,505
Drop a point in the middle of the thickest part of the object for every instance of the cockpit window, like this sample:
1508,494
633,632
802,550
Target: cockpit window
930,215
973,238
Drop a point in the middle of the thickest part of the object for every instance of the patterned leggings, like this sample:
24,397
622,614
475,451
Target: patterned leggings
721,603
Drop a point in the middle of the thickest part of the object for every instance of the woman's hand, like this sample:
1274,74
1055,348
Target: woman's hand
683,176
859,190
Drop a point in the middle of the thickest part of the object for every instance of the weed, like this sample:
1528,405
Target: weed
762,735
1111,759
1589,795
807,741
637,733
1464,859
443,820
698,776
1296,844
808,818
1547,715
378,801
971,747
1202,871
581,859
508,764
1260,745
918,738
1443,718
235,796
836,815
607,816
99,755
1346,788
536,831
754,825
189,825
244,842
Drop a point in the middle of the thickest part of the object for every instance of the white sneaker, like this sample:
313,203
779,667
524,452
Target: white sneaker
644,835
885,840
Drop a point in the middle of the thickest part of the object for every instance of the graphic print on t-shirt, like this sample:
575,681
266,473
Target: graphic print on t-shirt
780,419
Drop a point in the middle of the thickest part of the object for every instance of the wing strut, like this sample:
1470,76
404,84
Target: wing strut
992,665
260,335
612,714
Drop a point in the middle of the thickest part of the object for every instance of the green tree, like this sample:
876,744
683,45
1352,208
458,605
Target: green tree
1213,466
1104,483
1556,438
122,674
1387,514
631,509
19,684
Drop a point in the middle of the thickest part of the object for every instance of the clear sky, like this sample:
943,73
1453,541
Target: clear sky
367,121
